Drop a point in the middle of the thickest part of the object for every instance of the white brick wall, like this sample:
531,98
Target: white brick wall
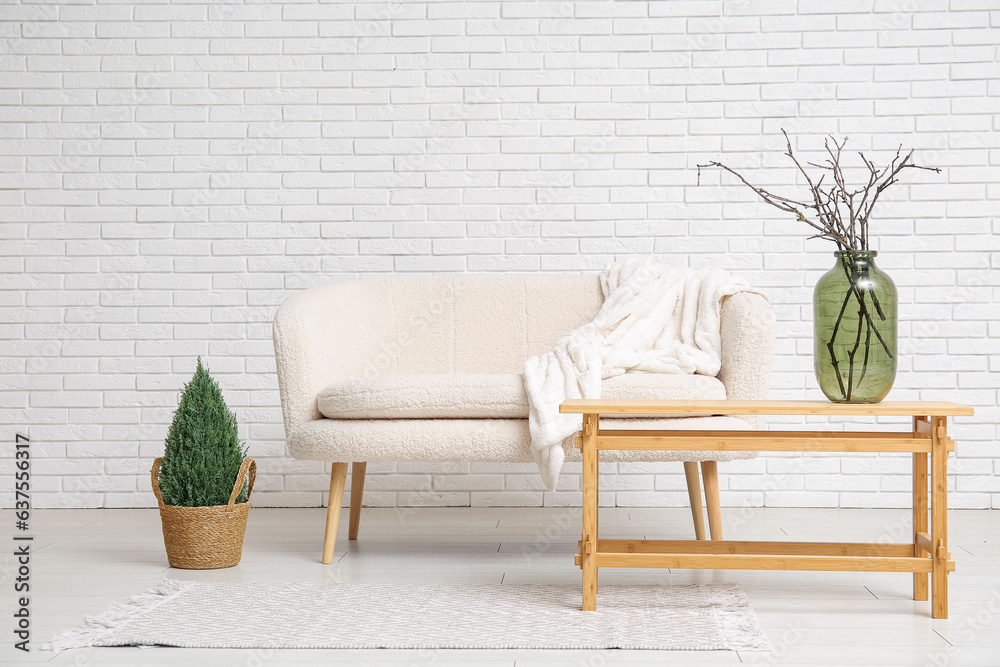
171,172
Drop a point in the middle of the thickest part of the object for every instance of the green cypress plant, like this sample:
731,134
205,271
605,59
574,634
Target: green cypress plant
203,452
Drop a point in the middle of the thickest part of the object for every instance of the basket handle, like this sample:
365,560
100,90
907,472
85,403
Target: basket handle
154,478
247,465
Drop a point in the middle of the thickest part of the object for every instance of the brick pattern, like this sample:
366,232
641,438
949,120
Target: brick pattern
171,172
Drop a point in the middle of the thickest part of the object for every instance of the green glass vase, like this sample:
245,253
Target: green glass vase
854,315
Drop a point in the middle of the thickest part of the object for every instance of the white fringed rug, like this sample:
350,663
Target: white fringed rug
523,616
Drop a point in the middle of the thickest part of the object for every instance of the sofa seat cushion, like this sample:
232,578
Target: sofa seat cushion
485,396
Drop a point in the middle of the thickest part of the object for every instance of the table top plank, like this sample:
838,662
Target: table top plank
702,408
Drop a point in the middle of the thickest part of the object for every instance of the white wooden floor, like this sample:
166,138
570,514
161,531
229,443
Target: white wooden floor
85,559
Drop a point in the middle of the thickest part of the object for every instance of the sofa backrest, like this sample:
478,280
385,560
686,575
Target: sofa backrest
449,323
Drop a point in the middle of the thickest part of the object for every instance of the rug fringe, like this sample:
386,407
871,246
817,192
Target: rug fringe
95,628
736,618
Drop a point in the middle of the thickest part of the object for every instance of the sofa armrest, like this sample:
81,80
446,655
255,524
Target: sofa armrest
747,349
300,354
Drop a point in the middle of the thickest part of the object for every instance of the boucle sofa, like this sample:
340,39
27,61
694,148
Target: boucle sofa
429,369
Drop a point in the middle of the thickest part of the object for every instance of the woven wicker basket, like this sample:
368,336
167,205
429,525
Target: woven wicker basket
205,538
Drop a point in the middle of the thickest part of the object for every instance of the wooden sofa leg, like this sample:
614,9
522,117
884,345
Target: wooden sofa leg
694,493
357,491
710,471
338,477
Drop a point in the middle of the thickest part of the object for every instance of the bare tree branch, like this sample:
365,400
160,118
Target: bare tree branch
842,215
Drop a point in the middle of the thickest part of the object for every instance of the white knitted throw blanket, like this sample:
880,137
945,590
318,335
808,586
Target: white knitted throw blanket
655,319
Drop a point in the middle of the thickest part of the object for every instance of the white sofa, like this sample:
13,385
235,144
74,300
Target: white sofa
429,369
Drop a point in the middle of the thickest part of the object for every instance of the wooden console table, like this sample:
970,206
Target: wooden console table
927,554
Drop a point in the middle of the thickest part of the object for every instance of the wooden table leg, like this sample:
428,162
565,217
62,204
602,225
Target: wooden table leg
920,591
939,516
588,556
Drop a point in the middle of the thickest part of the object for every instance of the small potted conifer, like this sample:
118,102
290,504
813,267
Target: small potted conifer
203,481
